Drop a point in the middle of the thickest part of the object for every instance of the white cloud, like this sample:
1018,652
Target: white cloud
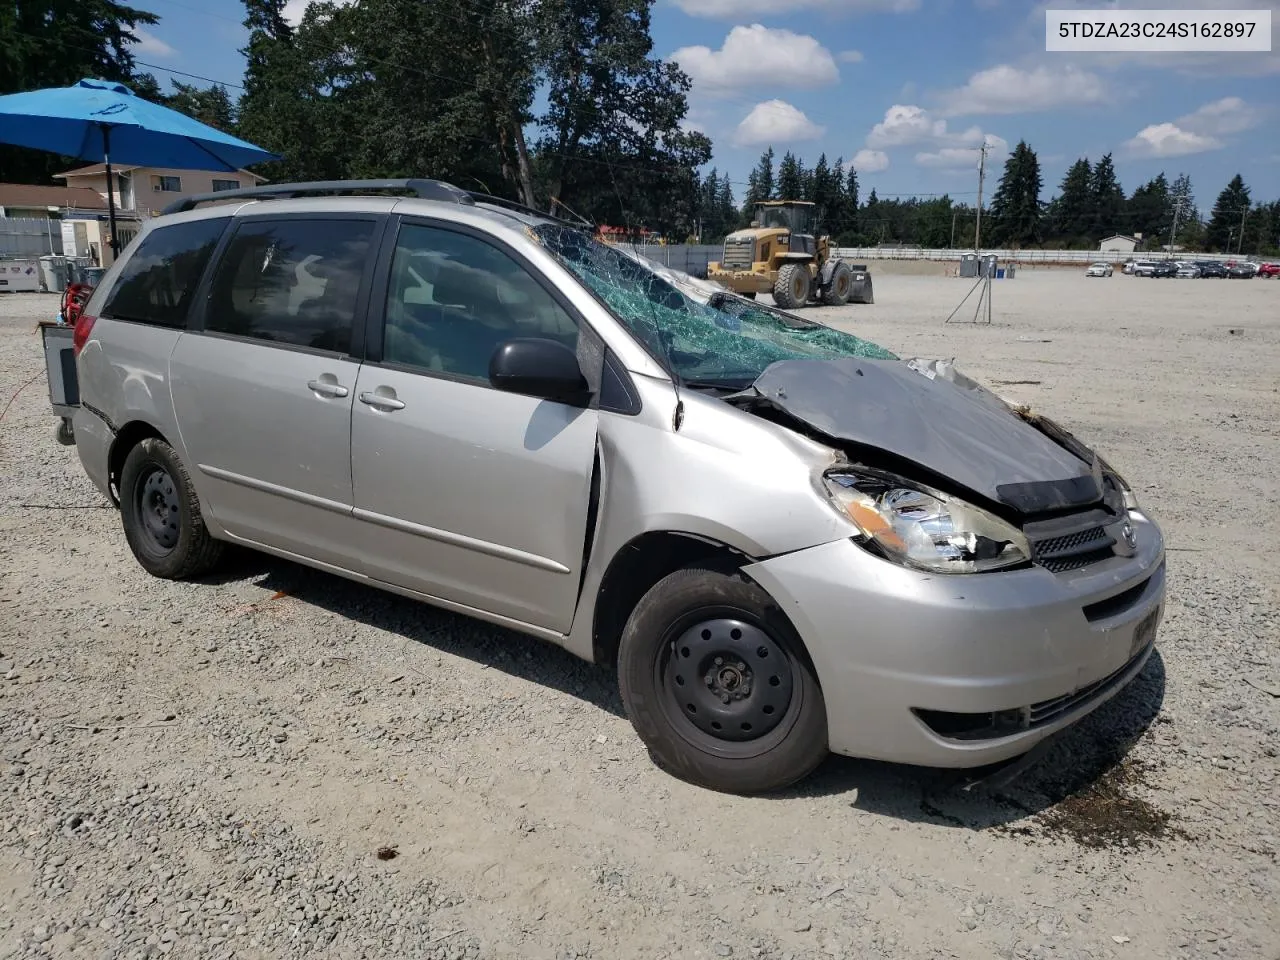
850,56
1009,89
1168,140
758,56
150,44
1226,116
742,9
906,125
294,9
954,158
775,121
870,161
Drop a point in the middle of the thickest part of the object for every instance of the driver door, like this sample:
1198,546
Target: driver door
464,492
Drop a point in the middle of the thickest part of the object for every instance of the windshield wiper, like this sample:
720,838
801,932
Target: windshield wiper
731,386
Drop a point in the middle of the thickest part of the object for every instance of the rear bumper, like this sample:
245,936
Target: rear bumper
962,671
93,445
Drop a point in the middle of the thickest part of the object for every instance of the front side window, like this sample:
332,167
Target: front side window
726,341
293,282
220,185
168,184
454,298
157,283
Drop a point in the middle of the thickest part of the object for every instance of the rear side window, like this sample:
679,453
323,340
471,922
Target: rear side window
293,282
158,282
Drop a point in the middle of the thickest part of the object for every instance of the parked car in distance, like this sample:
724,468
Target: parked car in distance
468,402
1212,268
1188,270
1143,268
1099,269
1269,270
1127,269
1241,270
1163,268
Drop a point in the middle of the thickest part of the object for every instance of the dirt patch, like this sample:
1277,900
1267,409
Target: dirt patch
1109,812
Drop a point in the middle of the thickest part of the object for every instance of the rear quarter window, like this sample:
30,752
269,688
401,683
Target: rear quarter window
159,281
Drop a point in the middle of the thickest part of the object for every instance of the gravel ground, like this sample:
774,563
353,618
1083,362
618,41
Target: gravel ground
277,763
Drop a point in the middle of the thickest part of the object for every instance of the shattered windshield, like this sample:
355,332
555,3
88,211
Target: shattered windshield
727,342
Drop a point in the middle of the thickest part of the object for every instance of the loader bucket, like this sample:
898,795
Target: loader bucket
860,291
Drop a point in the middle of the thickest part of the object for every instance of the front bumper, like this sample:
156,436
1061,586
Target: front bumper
903,656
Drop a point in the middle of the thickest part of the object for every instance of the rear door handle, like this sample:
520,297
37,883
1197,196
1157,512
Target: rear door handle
381,401
327,388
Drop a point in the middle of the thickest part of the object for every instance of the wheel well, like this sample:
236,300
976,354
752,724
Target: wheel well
637,567
129,436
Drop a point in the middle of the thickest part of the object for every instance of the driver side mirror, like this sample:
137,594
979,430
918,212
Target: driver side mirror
538,367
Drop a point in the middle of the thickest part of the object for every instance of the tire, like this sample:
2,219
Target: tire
161,514
841,285
771,732
791,289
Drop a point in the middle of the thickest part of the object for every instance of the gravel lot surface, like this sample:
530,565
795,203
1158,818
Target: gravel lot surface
277,763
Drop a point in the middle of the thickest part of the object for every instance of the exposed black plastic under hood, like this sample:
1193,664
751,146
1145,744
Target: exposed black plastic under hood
951,426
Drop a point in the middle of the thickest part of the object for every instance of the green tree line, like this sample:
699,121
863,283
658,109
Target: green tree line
562,104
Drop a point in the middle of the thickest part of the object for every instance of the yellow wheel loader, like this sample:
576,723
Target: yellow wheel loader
779,254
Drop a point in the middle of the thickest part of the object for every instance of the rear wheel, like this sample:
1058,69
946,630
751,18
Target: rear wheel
161,514
837,292
791,289
718,686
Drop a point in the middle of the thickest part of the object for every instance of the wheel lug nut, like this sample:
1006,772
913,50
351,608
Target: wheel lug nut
724,698
741,665
719,661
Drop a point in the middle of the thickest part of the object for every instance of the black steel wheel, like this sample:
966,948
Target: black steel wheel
161,514
718,685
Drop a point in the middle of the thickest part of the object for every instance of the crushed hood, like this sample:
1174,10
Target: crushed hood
925,412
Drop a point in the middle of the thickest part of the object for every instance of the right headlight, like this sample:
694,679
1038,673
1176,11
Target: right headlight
919,527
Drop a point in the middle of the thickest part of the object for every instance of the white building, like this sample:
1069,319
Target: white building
1118,244
146,191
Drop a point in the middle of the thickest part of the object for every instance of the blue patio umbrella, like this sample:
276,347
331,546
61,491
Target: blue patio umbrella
97,120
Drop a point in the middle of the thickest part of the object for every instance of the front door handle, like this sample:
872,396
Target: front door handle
327,388
382,401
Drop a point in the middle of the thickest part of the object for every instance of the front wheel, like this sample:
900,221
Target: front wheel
791,289
718,685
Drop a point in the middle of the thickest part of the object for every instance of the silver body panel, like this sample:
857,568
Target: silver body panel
479,501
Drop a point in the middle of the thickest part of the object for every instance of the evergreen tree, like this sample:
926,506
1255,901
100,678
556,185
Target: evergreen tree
1150,212
790,178
54,43
1231,208
728,215
823,192
1073,211
1015,207
850,204
759,183
1108,200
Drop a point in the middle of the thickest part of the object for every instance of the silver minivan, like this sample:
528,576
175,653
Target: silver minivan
788,540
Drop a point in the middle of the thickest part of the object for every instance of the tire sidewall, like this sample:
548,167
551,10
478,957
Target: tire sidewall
148,455
676,599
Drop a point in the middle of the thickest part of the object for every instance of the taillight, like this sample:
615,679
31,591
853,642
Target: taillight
80,334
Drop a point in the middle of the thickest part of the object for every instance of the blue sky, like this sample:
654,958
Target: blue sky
907,89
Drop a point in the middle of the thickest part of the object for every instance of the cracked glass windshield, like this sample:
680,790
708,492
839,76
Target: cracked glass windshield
726,343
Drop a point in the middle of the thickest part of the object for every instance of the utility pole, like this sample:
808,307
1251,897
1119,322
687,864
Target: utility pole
953,231
1173,234
1240,248
982,173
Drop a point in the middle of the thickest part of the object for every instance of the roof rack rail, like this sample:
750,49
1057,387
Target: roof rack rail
423,189
580,222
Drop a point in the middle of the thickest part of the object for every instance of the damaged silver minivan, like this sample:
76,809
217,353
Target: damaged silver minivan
788,540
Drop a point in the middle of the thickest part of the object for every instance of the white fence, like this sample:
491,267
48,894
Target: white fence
29,237
1020,256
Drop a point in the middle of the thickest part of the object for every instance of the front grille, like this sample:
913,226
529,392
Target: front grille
1059,548
738,254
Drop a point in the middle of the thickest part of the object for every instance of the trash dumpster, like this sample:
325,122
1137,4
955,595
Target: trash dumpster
53,274
969,265
20,276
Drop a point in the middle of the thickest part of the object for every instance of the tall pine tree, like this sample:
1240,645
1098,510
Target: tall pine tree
1230,213
759,184
1073,211
1015,207
1108,200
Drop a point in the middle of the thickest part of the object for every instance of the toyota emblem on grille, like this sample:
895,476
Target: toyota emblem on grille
1130,538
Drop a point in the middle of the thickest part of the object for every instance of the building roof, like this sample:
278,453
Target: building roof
95,168
32,195
1119,236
